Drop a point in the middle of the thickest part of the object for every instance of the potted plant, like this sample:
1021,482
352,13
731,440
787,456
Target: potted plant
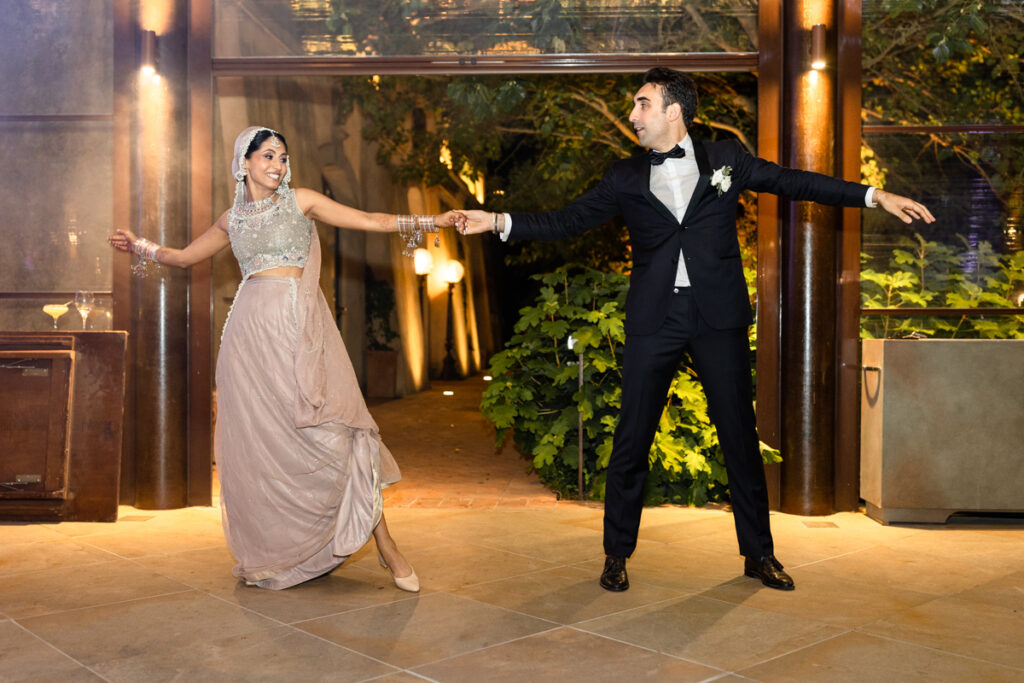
381,357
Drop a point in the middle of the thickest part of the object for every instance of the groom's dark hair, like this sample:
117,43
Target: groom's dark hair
675,87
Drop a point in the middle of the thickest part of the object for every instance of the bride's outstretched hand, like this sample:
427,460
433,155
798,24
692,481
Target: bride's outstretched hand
122,240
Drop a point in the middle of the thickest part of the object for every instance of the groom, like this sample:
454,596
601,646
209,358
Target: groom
687,294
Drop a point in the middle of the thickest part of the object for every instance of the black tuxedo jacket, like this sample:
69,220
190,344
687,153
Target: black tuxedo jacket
706,235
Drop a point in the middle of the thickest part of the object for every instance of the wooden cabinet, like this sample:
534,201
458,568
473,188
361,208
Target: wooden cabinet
61,419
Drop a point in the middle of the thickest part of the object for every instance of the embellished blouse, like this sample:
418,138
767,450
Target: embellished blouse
267,234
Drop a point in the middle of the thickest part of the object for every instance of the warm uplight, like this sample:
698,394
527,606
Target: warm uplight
452,271
473,180
449,393
487,378
148,59
818,47
423,262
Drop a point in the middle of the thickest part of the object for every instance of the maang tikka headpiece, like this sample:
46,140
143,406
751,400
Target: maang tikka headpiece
242,143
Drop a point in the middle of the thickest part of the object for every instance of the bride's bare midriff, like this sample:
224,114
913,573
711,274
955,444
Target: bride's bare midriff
280,271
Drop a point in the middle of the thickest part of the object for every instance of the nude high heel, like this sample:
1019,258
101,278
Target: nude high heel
409,583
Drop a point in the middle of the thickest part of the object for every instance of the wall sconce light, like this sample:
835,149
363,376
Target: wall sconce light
451,272
818,47
148,61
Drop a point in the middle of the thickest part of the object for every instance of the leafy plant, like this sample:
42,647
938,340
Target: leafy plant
536,395
928,273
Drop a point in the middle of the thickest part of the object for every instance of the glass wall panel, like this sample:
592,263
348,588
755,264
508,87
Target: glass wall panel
271,28
971,257
944,123
55,226
942,62
56,57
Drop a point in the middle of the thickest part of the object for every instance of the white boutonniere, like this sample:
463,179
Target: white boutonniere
721,179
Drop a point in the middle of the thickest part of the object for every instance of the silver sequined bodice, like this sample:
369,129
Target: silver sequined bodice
266,235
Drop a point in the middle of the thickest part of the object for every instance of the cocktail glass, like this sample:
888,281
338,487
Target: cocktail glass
55,311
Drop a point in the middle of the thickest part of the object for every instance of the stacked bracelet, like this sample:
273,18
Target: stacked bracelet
494,228
145,249
411,229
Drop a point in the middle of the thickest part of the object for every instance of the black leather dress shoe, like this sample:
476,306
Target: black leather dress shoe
614,578
769,570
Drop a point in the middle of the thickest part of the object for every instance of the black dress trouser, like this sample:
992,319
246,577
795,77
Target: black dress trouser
722,361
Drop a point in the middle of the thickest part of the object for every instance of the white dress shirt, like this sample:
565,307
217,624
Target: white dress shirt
673,182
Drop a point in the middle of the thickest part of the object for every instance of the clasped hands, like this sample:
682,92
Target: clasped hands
475,221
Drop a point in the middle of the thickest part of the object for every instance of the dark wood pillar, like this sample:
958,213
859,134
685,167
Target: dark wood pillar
159,313
809,237
848,107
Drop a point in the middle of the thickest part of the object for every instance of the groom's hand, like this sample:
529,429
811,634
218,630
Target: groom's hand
904,208
482,221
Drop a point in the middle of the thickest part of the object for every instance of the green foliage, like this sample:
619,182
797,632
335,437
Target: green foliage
930,274
536,395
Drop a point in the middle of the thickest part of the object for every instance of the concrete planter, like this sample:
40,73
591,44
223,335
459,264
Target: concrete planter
941,428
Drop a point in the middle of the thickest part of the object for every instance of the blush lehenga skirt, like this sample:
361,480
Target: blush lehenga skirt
296,501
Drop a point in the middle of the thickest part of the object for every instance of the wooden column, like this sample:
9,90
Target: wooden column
808,328
159,311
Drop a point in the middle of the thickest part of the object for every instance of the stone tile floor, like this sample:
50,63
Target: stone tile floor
510,590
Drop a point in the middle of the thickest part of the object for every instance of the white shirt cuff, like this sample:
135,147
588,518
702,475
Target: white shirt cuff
508,228
869,198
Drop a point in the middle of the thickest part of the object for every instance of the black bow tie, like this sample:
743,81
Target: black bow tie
658,158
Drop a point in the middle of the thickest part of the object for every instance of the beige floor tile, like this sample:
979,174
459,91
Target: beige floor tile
918,572
23,657
196,637
453,566
207,569
471,526
57,551
967,627
424,629
24,532
691,528
565,595
560,544
712,632
998,549
282,654
857,657
157,540
68,588
565,655
823,597
1006,591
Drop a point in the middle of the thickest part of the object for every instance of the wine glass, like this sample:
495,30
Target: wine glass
55,311
84,302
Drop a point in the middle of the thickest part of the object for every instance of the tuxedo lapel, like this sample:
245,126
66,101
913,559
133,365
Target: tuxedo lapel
704,167
643,172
